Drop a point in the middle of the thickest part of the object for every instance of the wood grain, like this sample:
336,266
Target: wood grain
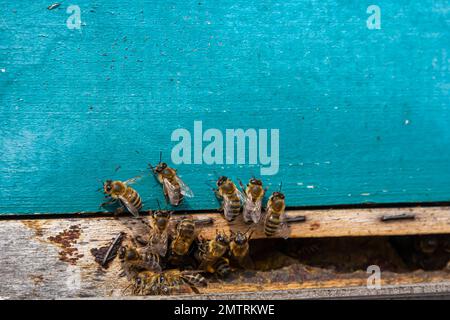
51,258
363,114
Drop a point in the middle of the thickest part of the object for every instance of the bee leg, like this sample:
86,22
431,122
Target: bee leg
216,193
194,289
140,240
118,211
242,186
107,203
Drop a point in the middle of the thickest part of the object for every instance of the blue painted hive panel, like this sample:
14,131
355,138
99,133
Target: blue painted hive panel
353,97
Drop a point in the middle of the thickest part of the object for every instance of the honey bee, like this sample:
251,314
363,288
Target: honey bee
173,187
275,221
240,247
164,283
253,196
126,195
184,236
159,235
133,262
210,251
231,196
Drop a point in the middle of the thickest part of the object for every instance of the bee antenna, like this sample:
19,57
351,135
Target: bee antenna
281,184
160,156
209,185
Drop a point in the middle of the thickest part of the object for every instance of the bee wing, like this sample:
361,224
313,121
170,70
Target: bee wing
227,212
255,214
185,190
169,190
252,209
241,196
284,230
132,209
133,180
158,243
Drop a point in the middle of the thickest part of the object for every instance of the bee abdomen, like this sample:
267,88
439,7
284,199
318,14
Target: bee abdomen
134,198
271,226
223,267
176,197
186,229
233,209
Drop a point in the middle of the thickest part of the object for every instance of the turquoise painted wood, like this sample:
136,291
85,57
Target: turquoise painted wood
363,114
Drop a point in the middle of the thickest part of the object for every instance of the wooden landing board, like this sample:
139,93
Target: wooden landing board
362,112
51,258
318,224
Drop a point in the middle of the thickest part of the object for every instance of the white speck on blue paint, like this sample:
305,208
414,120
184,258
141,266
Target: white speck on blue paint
3,70
406,122
299,183
310,187
365,194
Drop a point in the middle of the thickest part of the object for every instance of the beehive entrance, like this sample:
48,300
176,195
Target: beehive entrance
340,262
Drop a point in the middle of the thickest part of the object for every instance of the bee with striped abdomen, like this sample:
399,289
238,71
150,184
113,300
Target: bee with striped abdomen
126,195
253,197
231,198
240,248
133,262
210,251
173,187
184,236
167,282
159,234
275,220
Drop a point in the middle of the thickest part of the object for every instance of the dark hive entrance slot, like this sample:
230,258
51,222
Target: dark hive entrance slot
396,254
335,259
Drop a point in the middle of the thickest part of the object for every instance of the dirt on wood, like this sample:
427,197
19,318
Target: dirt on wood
66,240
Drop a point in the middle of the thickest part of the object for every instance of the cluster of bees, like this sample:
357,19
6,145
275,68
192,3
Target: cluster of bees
172,254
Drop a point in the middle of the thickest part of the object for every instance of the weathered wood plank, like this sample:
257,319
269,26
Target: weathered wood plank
363,114
51,258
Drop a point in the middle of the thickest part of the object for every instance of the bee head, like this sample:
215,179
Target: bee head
158,214
277,199
221,180
240,238
161,217
161,167
222,239
277,195
256,181
111,187
108,186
